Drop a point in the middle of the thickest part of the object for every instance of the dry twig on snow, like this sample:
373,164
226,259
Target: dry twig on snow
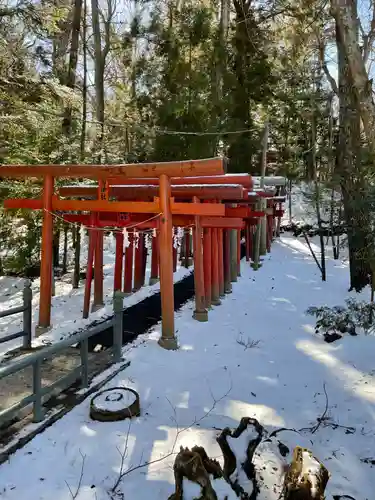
123,473
321,419
248,344
75,495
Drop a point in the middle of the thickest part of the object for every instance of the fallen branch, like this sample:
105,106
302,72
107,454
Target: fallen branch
248,344
321,419
123,456
312,251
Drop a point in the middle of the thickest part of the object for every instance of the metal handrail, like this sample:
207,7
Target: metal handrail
26,309
10,312
81,372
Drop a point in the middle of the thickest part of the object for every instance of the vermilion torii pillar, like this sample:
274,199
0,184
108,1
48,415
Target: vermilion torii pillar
138,263
215,291
200,313
129,252
93,235
168,339
119,259
207,259
221,262
154,277
46,258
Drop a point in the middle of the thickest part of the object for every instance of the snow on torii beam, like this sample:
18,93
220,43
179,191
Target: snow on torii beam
244,180
142,192
187,168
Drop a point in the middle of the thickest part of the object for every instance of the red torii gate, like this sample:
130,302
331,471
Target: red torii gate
212,226
135,188
163,205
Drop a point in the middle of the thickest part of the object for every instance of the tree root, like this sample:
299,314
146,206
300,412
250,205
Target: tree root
230,460
305,478
196,466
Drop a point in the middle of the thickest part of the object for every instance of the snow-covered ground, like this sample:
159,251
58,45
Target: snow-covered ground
68,303
257,356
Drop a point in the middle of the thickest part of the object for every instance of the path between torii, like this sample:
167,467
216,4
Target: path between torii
279,381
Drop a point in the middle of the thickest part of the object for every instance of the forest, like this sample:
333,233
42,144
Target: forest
115,81
275,88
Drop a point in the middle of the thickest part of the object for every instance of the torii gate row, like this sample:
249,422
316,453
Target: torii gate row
118,220
144,192
209,191
273,212
212,226
163,205
188,191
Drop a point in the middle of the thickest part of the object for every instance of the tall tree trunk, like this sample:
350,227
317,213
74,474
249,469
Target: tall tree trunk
345,14
84,85
317,195
56,248
61,40
349,169
77,230
65,253
219,65
73,59
100,57
263,201
77,255
241,147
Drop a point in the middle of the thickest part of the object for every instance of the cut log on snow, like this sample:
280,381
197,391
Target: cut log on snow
116,403
306,478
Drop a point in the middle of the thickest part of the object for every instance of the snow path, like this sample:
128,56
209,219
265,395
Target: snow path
280,382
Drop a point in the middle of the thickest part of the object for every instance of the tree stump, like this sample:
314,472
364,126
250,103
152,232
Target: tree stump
116,403
306,478
196,466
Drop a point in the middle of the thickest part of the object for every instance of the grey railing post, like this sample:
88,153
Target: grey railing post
37,391
84,351
118,300
27,314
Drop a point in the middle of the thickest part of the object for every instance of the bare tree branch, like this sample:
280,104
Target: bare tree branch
124,473
75,494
